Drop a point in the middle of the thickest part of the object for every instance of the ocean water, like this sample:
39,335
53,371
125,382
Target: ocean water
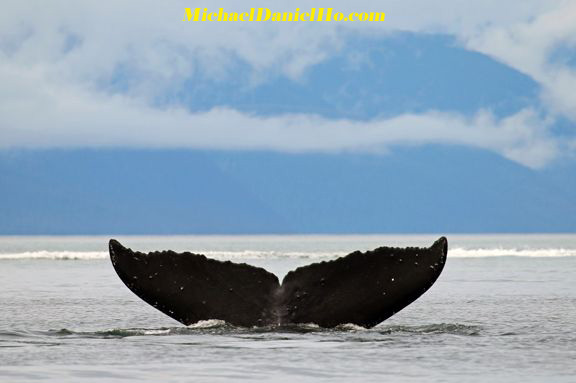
504,310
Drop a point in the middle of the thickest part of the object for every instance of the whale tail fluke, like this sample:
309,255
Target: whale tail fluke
360,288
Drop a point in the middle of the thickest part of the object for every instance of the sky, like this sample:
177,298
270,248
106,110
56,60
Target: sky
487,79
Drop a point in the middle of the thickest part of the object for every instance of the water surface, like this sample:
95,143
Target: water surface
503,310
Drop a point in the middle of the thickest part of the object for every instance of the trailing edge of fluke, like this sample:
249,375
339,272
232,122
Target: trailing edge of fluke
360,288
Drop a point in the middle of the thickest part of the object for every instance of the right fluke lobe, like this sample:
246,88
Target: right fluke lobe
360,288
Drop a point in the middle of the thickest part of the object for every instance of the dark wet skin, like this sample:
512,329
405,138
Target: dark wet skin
360,288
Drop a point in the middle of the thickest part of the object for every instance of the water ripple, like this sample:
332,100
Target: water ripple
223,328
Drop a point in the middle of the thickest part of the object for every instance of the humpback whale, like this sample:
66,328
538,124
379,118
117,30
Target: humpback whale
362,288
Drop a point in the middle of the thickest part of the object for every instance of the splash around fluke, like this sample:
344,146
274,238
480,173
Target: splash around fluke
362,288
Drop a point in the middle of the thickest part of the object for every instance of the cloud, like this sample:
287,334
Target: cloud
82,119
90,40
87,74
529,47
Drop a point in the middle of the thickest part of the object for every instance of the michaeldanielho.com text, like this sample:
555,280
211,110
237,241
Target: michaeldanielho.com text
265,14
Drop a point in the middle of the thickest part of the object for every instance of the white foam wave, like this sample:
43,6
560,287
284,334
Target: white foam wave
350,327
56,255
510,252
249,254
156,332
210,323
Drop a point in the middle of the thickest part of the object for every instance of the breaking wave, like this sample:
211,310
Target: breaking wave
246,255
56,255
